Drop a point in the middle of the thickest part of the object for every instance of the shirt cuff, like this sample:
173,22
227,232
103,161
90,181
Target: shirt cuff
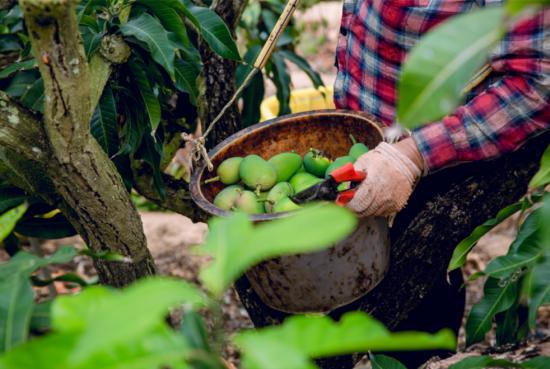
436,146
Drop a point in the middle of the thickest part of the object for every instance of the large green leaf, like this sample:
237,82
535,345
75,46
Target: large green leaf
132,313
104,125
540,289
10,197
385,362
481,362
148,29
212,29
528,253
186,78
48,228
465,246
281,79
236,245
542,177
303,64
169,18
158,348
441,64
15,67
497,298
9,219
301,338
16,295
33,98
150,101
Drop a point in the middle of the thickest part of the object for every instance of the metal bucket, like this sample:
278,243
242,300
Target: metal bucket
324,280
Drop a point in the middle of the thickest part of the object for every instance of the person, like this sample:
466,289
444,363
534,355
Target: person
511,105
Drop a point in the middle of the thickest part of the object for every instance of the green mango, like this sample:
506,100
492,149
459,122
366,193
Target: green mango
280,190
301,181
358,150
286,165
257,174
285,205
228,170
227,198
316,163
249,203
339,162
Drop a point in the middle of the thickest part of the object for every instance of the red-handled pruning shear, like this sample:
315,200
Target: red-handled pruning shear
327,190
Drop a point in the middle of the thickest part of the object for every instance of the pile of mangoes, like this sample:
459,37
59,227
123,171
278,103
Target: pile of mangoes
258,186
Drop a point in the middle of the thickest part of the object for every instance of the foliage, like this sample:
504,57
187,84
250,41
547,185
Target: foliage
126,329
258,20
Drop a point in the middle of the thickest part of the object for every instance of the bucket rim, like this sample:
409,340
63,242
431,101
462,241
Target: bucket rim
195,186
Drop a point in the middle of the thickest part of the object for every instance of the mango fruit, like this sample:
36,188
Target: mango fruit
257,174
316,163
227,198
248,202
284,205
228,170
339,162
358,150
301,181
286,165
280,190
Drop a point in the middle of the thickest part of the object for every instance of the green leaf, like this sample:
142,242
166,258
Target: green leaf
186,78
149,30
496,299
528,253
281,78
10,197
33,98
169,18
151,103
303,64
194,330
542,177
104,125
237,246
540,289
51,228
516,6
385,362
480,362
301,338
16,67
144,304
9,219
40,319
539,362
465,246
16,295
441,64
91,40
213,30
21,83
507,324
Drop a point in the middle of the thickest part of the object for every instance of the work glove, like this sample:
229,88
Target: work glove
392,173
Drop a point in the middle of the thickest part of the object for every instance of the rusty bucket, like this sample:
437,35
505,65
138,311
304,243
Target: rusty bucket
324,280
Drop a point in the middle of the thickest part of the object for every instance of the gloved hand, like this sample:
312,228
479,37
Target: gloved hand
392,172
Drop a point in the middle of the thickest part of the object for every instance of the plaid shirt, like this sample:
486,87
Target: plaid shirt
512,105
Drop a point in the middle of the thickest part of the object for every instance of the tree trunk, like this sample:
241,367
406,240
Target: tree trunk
219,79
444,209
94,198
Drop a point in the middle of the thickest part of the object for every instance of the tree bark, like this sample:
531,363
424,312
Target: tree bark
219,78
94,198
444,209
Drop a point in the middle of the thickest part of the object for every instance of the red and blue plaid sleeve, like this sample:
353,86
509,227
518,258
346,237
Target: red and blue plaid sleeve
504,114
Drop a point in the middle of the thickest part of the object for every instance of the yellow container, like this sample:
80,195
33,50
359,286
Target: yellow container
302,100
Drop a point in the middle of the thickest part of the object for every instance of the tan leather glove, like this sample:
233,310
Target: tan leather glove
392,172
